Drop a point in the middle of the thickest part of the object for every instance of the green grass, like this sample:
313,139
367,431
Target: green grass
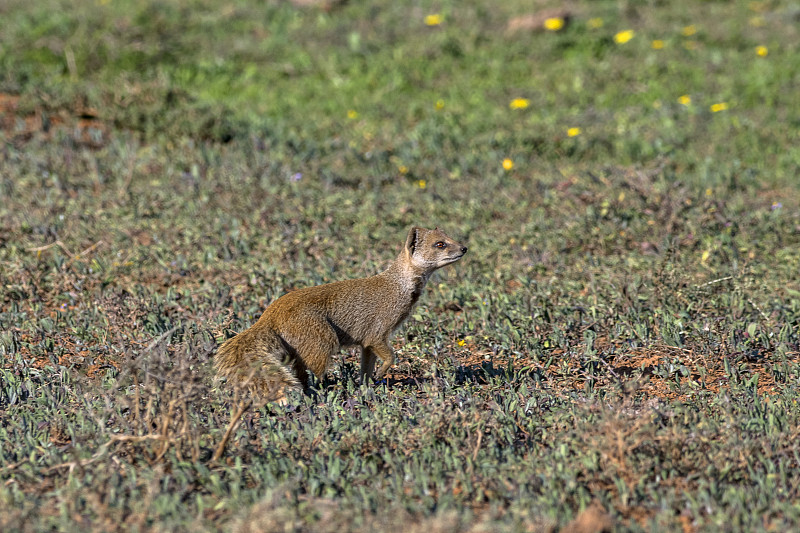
623,333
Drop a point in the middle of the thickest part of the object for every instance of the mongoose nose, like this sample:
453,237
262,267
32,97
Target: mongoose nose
463,249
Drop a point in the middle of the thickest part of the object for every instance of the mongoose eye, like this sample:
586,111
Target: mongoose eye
440,244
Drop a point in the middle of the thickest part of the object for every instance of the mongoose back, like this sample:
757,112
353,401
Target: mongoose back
303,329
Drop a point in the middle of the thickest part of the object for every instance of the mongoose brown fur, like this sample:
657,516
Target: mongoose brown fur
303,329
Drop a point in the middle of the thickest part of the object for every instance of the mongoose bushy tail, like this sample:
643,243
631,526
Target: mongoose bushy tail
302,330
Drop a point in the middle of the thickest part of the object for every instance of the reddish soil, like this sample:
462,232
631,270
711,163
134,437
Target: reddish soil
83,123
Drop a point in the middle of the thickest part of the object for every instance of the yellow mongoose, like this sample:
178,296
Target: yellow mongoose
303,329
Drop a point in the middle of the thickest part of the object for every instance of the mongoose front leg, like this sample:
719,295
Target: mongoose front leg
387,356
368,358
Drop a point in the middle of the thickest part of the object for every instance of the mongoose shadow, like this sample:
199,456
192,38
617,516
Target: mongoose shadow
473,373
301,331
480,373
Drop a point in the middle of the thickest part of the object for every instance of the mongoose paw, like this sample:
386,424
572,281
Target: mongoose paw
282,401
382,371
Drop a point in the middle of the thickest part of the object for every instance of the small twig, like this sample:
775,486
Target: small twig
757,308
72,465
234,423
72,257
86,251
166,421
48,246
714,282
12,466
610,369
477,445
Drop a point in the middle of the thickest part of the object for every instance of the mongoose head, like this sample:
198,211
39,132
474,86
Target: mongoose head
429,249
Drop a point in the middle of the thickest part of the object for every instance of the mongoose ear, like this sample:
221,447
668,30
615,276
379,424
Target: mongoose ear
411,240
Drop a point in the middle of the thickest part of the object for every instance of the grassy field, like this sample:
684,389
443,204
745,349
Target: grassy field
619,349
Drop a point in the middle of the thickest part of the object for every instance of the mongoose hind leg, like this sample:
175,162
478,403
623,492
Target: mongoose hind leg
368,359
311,341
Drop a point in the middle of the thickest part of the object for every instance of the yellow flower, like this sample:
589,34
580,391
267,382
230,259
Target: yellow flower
658,44
508,164
704,257
402,169
623,36
573,132
519,103
596,22
352,114
709,191
554,23
721,106
691,29
762,51
439,105
461,342
422,184
685,99
433,20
